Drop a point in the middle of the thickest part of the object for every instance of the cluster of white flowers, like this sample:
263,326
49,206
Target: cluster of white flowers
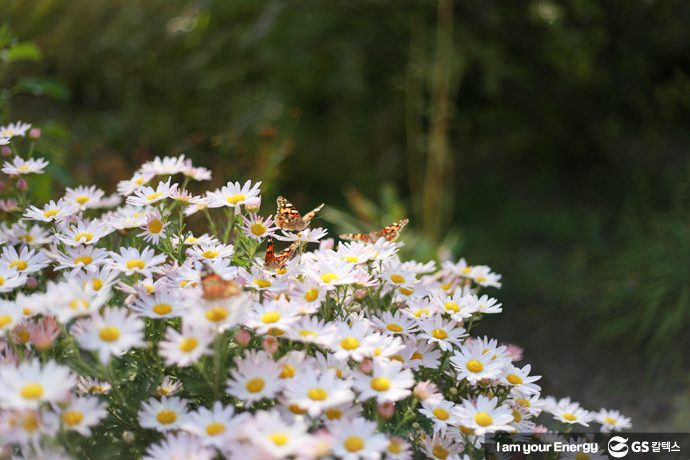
118,321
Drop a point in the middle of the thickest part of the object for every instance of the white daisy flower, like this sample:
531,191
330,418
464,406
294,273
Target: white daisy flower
278,438
258,228
331,272
166,166
153,228
221,314
274,317
29,384
612,420
82,232
209,252
25,261
78,258
569,412
308,235
442,447
20,166
314,391
52,212
352,341
234,195
395,324
311,329
215,425
146,195
356,439
18,128
10,279
162,304
168,386
458,305
163,415
86,197
111,333
445,334
82,414
520,380
129,186
256,377
130,261
127,217
441,413
484,415
473,365
187,347
387,382
177,446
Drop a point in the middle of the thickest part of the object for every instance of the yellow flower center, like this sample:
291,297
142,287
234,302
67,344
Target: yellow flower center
317,394
215,428
440,452
162,309
109,333
97,284
311,295
406,291
279,439
349,343
24,168
452,306
262,283
216,314
439,334
307,333
210,254
328,277
420,312
23,335
334,414
72,417
569,416
416,355
30,423
166,417
19,264
480,279
188,344
2,280
517,416
135,263
258,229
474,366
50,212
155,226
32,391
353,443
270,317
83,236
397,279
441,414
394,327
295,409
82,200
394,447
351,259
514,379
84,260
483,419
380,384
287,372
5,320
610,420
255,385
154,196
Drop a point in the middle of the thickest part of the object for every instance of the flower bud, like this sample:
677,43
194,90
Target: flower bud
35,133
386,409
242,337
270,344
31,282
366,366
360,294
128,437
6,151
22,185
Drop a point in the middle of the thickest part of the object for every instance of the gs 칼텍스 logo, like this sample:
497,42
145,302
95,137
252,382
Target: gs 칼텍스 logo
618,447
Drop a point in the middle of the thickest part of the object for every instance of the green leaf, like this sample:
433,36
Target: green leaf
24,51
43,86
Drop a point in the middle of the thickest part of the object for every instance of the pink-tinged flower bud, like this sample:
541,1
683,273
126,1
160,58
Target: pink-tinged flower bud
386,409
514,352
366,365
128,437
327,243
424,390
253,204
242,337
6,151
31,282
360,294
270,345
35,133
22,185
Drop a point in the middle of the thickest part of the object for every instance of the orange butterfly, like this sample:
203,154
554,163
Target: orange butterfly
288,218
278,262
215,287
390,233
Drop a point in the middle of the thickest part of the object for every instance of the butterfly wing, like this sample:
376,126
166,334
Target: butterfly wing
287,217
364,237
310,215
392,231
215,287
277,262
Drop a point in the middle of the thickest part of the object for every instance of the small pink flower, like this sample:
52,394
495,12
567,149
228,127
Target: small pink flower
242,337
386,409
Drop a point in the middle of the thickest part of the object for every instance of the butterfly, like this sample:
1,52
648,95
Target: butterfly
277,262
288,218
215,287
390,233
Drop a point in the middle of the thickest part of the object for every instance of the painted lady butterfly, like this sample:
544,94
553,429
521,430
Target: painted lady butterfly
390,233
278,262
288,218
215,287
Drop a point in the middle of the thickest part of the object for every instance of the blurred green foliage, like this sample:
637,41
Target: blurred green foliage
551,133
